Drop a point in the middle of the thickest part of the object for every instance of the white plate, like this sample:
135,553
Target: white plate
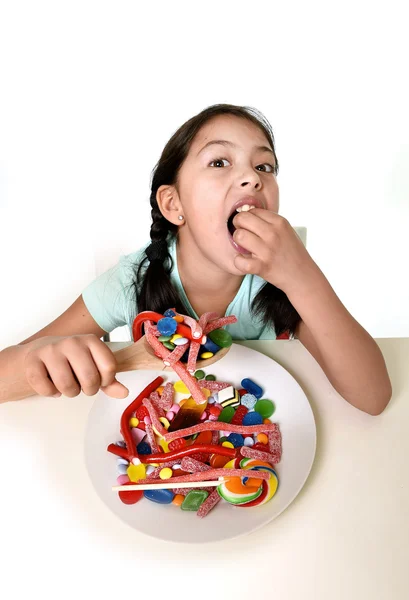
168,522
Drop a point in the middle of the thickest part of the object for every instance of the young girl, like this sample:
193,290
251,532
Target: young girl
217,244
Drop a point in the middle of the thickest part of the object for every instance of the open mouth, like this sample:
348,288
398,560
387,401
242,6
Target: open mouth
231,228
244,208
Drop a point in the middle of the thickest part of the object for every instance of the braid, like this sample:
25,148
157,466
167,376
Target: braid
156,291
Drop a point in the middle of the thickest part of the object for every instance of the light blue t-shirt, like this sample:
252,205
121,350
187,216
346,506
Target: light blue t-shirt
111,298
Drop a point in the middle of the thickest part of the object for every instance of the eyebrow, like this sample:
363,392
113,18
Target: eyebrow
228,143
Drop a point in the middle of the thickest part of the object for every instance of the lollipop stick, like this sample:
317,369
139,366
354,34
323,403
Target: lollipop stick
167,485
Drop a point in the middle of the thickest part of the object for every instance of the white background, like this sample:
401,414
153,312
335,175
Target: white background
92,91
89,94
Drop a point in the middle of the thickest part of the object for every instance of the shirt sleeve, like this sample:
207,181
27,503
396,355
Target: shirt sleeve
111,297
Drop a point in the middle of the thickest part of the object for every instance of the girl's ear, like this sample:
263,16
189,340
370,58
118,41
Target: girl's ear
169,203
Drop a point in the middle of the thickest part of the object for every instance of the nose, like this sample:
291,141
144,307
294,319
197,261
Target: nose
251,179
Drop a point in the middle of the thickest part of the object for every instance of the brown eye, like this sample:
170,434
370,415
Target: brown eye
270,168
218,162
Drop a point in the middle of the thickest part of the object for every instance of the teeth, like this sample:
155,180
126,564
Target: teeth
245,208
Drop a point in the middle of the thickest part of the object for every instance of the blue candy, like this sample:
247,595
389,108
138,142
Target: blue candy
252,418
249,401
250,386
169,313
209,346
159,496
167,326
236,439
143,448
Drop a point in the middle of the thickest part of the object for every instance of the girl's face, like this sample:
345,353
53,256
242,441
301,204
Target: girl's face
230,162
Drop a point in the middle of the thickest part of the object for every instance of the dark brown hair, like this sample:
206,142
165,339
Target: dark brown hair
154,290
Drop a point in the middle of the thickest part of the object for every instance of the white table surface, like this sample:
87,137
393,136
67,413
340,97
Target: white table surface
345,536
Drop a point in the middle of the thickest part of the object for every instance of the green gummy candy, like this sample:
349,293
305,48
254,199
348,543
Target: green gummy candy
210,377
169,346
221,337
194,499
227,414
164,338
199,374
265,408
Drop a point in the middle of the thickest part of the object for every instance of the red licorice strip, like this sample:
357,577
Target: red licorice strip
213,474
219,426
154,417
129,410
213,386
258,455
118,451
218,323
193,466
187,451
152,443
209,503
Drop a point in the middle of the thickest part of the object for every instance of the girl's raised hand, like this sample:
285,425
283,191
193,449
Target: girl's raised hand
69,365
277,254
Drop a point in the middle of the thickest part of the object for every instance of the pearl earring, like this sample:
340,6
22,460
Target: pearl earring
180,217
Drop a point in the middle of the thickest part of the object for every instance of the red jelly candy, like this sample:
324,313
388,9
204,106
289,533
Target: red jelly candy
242,391
131,497
142,425
177,444
261,447
239,415
214,411
141,412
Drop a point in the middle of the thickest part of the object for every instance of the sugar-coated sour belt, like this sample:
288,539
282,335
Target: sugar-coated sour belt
218,323
219,426
187,451
190,382
210,502
212,474
154,417
126,415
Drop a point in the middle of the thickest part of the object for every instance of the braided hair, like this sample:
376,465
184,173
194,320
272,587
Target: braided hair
153,286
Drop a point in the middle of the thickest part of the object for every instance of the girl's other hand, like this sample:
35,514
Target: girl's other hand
69,365
276,252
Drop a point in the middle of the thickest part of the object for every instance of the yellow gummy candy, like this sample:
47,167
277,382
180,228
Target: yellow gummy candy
174,337
133,422
164,445
206,355
180,387
136,472
166,473
227,445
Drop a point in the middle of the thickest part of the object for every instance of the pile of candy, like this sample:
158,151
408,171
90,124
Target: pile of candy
193,339
217,431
